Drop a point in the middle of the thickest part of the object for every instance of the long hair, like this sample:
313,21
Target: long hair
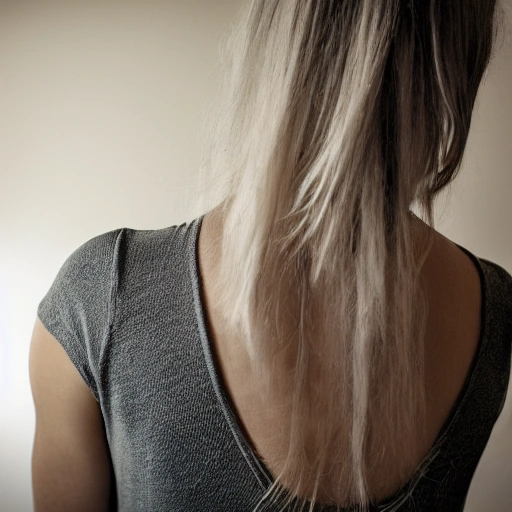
338,115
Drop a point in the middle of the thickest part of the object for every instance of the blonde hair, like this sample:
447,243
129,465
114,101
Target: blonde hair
338,115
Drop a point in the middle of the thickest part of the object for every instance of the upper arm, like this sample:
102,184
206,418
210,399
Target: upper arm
71,469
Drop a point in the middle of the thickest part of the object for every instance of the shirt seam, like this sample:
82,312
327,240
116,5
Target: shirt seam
112,302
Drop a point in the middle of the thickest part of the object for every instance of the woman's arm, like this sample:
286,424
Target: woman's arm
71,468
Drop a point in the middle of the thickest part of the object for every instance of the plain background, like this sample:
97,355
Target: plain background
100,109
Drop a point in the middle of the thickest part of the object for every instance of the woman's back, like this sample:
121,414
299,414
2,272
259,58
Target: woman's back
339,117
182,416
453,332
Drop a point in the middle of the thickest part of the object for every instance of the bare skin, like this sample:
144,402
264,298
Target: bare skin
454,296
71,467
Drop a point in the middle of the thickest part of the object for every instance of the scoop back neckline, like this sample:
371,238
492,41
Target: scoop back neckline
256,464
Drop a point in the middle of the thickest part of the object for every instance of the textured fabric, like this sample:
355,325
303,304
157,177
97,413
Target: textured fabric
126,308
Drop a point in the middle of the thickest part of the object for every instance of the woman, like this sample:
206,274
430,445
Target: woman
309,343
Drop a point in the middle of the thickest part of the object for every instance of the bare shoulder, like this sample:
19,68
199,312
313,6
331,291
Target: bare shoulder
447,267
457,267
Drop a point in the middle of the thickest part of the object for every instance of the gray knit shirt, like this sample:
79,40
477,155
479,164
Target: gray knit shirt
126,307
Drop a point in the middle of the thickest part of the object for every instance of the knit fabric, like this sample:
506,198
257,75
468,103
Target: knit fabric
126,307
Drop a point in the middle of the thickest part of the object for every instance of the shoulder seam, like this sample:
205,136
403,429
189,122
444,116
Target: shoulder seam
113,283
112,294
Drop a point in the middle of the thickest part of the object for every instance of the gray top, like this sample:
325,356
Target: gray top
126,307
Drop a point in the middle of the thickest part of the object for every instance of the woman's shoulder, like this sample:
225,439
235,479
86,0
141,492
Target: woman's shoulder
449,260
479,286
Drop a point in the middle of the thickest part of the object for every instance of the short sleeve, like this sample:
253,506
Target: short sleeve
77,309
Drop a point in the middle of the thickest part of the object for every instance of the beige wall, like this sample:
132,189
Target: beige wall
100,105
